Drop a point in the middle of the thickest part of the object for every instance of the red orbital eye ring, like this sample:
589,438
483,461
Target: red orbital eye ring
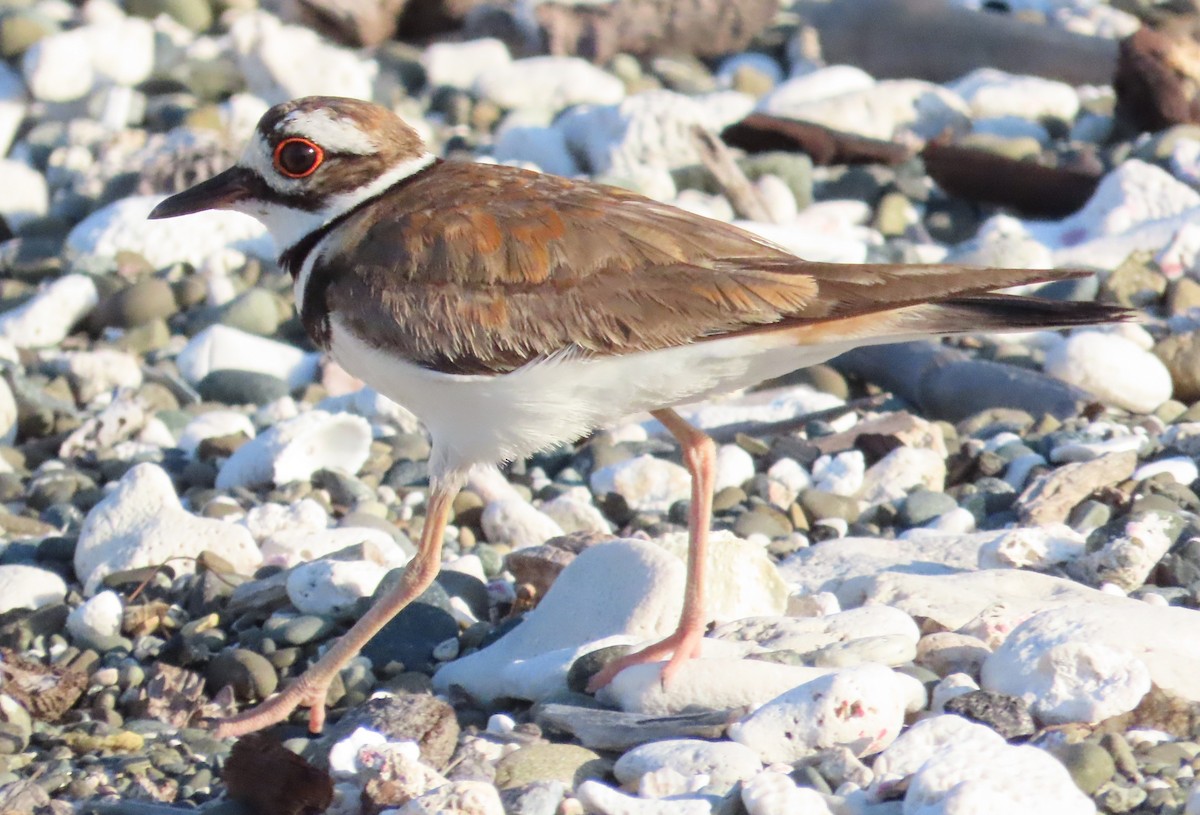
304,159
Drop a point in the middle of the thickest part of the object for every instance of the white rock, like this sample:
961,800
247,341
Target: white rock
962,768
1121,631
288,547
647,484
97,618
100,371
1182,469
842,474
141,523
516,523
281,62
1113,369
473,797
602,800
742,578
889,110
343,756
647,130
859,708
792,475
992,93
1038,547
549,83
8,413
48,317
124,427
771,792
24,195
902,470
270,518
202,239
804,634
371,404
29,587
822,83
575,514
211,424
1127,560
629,589
59,68
712,682
12,106
330,588
734,467
220,347
459,64
293,450
724,762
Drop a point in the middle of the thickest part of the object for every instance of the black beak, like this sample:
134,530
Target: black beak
221,191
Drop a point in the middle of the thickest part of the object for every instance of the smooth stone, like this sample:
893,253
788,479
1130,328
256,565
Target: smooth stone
1089,764
230,386
1054,658
517,524
296,448
296,629
647,484
29,587
947,762
922,506
213,424
47,318
1114,369
604,800
804,634
137,304
332,588
411,636
859,708
97,618
568,763
142,523
901,471
222,347
724,762
249,674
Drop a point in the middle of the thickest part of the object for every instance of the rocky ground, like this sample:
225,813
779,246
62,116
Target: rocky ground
948,578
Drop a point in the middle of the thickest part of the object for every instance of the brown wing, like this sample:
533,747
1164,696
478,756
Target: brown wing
482,269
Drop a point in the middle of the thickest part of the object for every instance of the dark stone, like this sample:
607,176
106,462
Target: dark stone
923,505
1007,715
249,674
468,588
410,637
418,717
585,667
234,387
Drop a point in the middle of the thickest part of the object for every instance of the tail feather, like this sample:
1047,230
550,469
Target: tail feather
1007,312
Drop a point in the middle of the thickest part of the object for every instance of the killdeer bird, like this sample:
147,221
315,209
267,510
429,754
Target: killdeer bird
512,311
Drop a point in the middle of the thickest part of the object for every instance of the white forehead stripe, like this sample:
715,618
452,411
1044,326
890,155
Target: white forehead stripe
327,130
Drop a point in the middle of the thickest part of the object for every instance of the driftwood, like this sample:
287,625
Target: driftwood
760,133
940,41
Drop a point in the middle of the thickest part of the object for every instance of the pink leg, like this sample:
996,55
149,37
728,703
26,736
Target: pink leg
312,687
700,457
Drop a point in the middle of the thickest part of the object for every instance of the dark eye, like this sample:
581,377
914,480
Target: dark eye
297,158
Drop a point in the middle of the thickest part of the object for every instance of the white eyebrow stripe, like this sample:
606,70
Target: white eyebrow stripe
331,133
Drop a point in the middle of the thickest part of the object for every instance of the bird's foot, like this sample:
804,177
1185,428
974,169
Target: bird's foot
682,645
276,709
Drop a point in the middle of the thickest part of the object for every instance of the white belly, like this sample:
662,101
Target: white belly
489,419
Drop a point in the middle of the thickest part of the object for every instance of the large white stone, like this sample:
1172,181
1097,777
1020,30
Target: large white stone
805,634
626,589
220,347
48,317
550,83
992,93
742,578
1112,368
574,513
822,83
24,586
734,467
217,238
330,588
516,523
281,62
724,762
715,681
100,371
901,471
886,110
1079,661
772,792
963,768
289,547
24,194
142,523
460,64
647,484
861,709
8,413
295,449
